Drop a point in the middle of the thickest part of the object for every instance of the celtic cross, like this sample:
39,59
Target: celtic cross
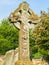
22,17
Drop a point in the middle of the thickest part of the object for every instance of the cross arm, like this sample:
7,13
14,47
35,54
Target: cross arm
33,17
14,18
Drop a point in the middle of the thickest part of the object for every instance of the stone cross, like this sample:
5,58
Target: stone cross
22,18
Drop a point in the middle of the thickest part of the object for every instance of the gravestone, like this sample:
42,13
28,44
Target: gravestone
22,18
9,58
1,62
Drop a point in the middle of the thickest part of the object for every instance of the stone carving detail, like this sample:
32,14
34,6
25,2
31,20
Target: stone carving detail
24,14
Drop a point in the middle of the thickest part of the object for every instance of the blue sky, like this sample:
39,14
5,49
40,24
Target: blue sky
7,6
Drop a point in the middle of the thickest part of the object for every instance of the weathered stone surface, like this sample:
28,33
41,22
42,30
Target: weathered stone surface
24,15
21,62
9,58
16,52
15,58
1,62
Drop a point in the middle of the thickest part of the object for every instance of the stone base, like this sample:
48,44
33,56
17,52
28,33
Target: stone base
21,62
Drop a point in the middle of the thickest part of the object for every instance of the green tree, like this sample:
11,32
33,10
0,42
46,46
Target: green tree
41,35
32,43
8,36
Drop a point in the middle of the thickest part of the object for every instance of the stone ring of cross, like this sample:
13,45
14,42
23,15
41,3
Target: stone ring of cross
23,14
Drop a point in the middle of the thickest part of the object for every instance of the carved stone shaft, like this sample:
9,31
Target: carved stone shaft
24,43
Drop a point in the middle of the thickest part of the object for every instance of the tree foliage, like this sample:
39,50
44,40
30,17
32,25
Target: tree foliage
41,35
8,36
